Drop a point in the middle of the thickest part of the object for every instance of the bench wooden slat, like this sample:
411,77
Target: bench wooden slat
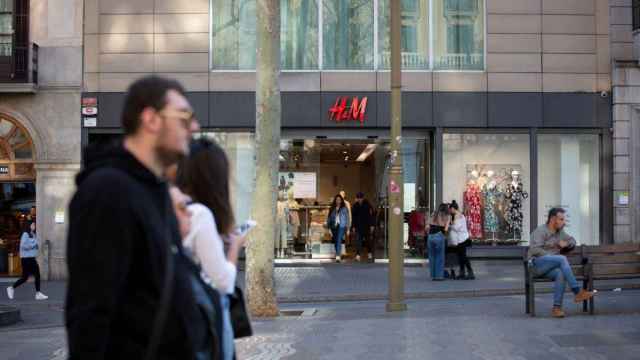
614,259
612,249
615,269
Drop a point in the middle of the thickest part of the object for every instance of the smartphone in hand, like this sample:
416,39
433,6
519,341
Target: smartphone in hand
243,229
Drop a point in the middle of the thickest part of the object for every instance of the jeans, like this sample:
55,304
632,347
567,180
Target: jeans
556,268
338,234
29,267
436,245
227,330
363,236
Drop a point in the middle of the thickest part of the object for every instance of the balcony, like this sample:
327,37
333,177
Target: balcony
460,62
410,61
19,72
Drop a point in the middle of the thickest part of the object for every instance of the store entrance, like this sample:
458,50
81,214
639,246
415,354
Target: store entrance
313,171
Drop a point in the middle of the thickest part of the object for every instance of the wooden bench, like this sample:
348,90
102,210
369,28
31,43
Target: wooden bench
578,265
611,262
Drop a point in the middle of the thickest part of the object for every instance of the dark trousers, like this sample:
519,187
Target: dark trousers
29,267
363,237
463,260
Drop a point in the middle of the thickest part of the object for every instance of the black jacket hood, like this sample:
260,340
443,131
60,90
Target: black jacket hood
114,155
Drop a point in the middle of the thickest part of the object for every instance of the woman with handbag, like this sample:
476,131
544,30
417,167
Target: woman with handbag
337,222
204,176
459,239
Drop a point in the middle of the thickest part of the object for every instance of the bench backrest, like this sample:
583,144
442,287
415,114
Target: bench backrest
611,260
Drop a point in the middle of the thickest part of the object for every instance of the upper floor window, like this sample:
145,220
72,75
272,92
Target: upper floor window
636,14
6,27
343,34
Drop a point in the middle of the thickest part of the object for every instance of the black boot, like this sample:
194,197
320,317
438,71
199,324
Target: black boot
446,274
453,274
462,275
471,276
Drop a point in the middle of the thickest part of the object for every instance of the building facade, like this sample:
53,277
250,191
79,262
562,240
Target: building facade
40,91
507,105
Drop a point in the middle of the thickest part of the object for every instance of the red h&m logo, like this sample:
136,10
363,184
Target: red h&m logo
340,112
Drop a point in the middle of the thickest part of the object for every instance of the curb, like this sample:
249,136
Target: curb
9,315
457,294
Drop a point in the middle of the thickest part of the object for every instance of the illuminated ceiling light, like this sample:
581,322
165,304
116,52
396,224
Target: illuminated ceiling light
366,152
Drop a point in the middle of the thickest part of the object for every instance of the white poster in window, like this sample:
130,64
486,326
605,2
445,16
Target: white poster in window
409,197
304,184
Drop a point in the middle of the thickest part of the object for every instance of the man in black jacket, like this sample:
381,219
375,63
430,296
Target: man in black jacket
363,224
123,241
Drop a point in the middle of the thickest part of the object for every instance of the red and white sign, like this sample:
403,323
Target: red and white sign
90,110
345,110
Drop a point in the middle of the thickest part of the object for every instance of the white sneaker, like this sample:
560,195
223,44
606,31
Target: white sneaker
10,291
41,296
358,258
370,256
337,258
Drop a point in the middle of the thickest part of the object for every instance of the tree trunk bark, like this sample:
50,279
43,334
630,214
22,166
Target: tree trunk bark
261,296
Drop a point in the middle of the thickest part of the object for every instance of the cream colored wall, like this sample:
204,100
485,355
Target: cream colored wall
532,45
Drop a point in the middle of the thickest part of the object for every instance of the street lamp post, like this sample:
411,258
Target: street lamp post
396,183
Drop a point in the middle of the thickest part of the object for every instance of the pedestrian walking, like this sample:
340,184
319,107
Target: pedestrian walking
338,222
363,223
548,244
436,241
204,176
460,240
132,292
28,252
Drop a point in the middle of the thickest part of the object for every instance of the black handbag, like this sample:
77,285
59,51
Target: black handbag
240,320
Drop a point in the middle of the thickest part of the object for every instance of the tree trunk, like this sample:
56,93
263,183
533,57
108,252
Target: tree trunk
261,297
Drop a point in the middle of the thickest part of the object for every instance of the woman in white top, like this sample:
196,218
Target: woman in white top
459,239
204,176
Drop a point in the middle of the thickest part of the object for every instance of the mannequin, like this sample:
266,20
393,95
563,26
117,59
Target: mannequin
473,209
282,216
491,195
515,196
294,216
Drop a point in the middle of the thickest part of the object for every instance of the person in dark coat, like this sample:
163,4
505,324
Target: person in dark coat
362,225
132,291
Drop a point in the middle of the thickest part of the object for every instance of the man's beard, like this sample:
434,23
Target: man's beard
168,157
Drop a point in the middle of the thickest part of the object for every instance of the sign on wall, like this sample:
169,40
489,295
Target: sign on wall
304,184
348,109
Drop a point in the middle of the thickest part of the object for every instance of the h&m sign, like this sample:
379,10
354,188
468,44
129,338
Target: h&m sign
348,109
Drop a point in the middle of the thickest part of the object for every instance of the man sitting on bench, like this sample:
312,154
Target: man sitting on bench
548,244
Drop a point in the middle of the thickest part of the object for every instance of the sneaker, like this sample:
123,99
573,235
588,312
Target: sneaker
370,256
358,258
583,295
337,259
557,312
10,291
41,296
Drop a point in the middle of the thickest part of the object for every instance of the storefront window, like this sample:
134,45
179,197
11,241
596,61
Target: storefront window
299,34
569,178
458,34
234,34
348,34
415,34
489,174
240,150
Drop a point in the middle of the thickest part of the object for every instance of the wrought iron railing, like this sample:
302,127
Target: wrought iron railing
461,6
636,14
24,65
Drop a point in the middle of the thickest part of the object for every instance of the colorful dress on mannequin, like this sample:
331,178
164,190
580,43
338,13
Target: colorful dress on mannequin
473,210
491,195
515,198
